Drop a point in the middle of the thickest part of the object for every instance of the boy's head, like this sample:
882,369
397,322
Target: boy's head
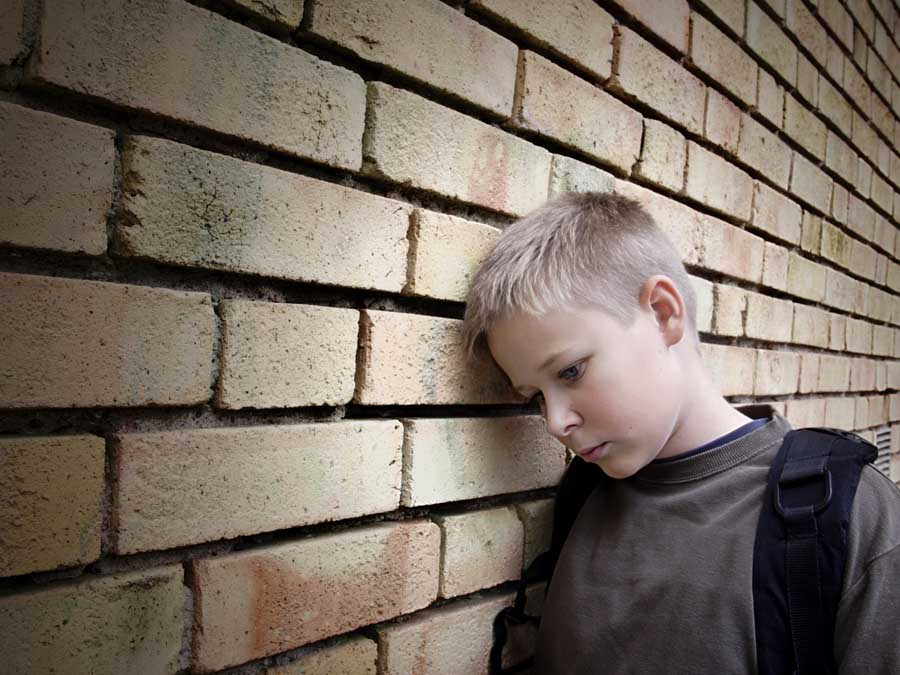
586,304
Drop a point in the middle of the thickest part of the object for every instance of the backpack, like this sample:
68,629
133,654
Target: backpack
798,555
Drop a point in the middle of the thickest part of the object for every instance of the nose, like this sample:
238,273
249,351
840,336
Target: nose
560,416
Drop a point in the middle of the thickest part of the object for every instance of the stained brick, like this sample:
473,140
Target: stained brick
767,39
357,655
839,157
731,308
764,151
805,127
663,156
811,326
839,20
835,106
718,184
836,245
810,184
723,121
570,175
775,213
806,279
12,31
808,29
776,373
725,61
811,237
285,14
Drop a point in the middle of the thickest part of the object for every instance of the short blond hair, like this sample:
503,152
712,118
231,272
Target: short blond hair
581,249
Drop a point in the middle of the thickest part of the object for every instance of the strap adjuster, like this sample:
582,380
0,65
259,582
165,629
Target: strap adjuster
799,480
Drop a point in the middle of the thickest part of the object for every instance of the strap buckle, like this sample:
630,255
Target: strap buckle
797,482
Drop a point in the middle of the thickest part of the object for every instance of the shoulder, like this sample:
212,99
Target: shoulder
874,523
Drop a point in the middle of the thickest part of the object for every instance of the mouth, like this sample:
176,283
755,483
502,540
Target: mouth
592,452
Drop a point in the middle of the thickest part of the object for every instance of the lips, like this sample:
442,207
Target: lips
593,451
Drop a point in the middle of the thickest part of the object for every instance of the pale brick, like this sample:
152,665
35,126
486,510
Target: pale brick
878,410
840,158
123,623
767,39
56,181
770,98
717,183
731,368
808,80
809,375
428,41
194,208
859,336
267,600
725,61
856,87
805,127
732,251
769,318
885,233
839,20
357,655
839,202
863,373
893,279
808,29
837,332
860,217
775,213
285,14
537,523
864,15
775,266
834,61
811,326
480,549
656,80
834,373
810,184
577,30
554,103
408,140
811,233
776,373
882,305
894,407
863,179
883,118
723,121
882,193
570,175
882,265
836,245
730,11
835,106
52,511
894,375
276,94
862,260
840,412
764,151
861,413
864,136
232,482
663,156
703,292
282,355
731,310
809,412
883,340
806,279
878,74
73,343
840,290
446,251
860,50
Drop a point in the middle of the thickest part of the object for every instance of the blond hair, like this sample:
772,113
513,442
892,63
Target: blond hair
580,249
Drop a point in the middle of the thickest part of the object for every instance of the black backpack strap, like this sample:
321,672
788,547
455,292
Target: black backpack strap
800,549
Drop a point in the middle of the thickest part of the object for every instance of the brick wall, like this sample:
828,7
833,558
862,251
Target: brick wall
234,241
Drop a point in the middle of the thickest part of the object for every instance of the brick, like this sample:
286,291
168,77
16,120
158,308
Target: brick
466,458
576,30
775,213
556,104
723,121
12,31
859,336
802,413
256,219
861,416
808,29
878,410
882,264
427,41
703,292
878,73
730,11
776,373
864,137
732,251
893,280
860,217
269,599
777,6
839,20
537,524
810,184
834,373
840,158
56,181
284,14
882,193
775,266
809,374
894,375
718,184
770,98
837,332
731,310
480,549
52,512
863,13
570,175
839,202
768,318
840,412
862,259
883,118
446,251
836,246
856,87
806,279
477,163
282,355
731,368
238,481
356,655
834,61
883,341
663,156
320,107
767,39
808,80
805,127
725,61
764,151
834,105
840,290
656,80
860,50
72,343
811,232
882,305
122,623
863,373
863,178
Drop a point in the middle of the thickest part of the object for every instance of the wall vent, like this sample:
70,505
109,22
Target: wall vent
883,443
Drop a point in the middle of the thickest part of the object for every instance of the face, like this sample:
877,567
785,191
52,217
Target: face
599,383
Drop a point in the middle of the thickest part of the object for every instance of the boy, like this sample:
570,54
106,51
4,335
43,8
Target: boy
585,305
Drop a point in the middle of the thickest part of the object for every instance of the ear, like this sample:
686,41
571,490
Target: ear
660,295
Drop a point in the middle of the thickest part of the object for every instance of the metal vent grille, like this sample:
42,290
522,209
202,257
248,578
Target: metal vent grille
883,443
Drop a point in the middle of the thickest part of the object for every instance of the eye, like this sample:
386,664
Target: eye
573,372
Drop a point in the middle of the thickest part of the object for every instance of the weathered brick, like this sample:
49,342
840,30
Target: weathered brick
863,373
893,279
839,202
856,87
477,163
731,368
863,13
731,250
834,373
810,184
730,11
123,623
861,217
839,20
723,121
840,290
840,158
863,179
775,213
194,208
882,193
446,251
882,305
570,175
809,374
717,183
836,245
811,326
806,279
725,61
859,47
883,118
768,318
238,481
357,655
811,232
480,549
554,103
277,355
428,41
285,15
834,62
883,340
837,332
882,264
56,181
776,373
864,136
577,30
764,151
276,95
656,80
766,38
730,310
859,336
770,98
537,523
12,31
73,343
879,75
52,511
269,599
840,411
465,458
862,259
809,412
663,156
808,80
775,266
861,413
808,29
878,410
834,105
805,127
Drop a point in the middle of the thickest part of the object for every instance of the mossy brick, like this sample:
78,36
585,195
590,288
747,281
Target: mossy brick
805,127
73,343
775,213
771,43
658,81
267,600
121,623
559,105
571,175
837,246
449,460
193,208
764,151
723,122
770,98
357,655
718,184
56,181
537,522
777,373
281,355
806,278
731,368
578,31
810,326
52,512
775,266
834,373
669,20
238,82
232,482
808,30
768,318
724,60
424,145
810,184
428,41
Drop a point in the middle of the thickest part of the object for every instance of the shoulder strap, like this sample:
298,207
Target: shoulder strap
800,549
